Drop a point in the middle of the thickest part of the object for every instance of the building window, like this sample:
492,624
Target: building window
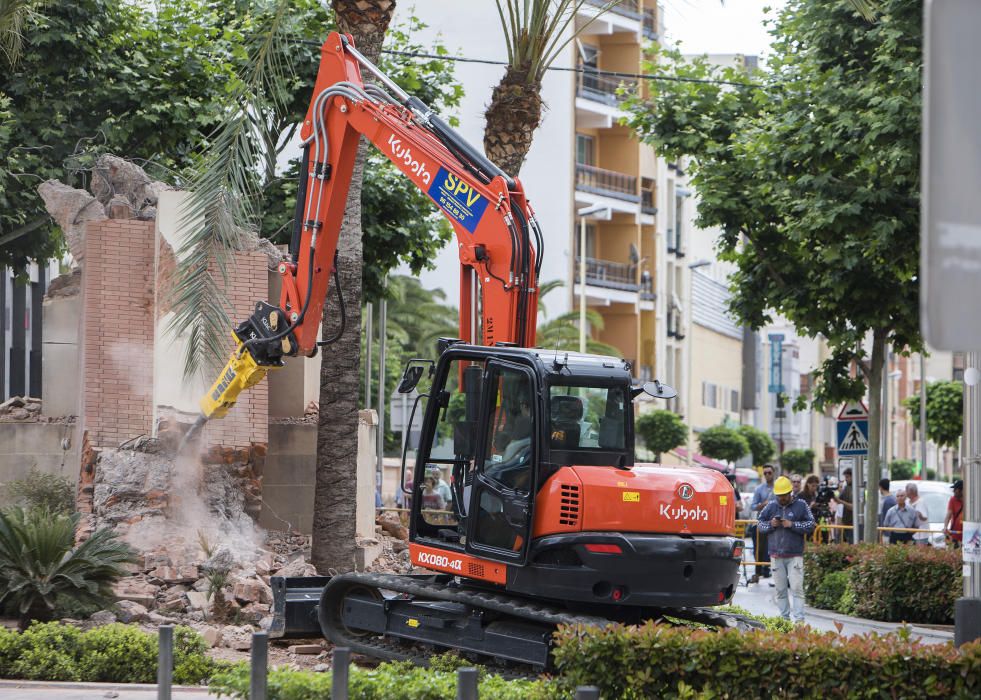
709,395
585,150
734,401
590,240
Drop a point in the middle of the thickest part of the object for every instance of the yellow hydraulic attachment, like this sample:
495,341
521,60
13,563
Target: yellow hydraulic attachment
242,372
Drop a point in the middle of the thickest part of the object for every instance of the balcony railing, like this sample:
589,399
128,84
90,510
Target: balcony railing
609,274
603,88
647,202
610,183
647,292
650,24
627,8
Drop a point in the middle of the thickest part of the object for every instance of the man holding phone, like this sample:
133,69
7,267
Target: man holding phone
787,521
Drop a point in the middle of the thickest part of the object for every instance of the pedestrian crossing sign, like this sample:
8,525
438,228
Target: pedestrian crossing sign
853,437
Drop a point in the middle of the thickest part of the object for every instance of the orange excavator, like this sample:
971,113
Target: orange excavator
528,509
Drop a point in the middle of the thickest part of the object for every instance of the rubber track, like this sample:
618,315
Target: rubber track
380,647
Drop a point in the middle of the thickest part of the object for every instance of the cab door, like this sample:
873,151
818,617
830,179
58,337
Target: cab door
502,496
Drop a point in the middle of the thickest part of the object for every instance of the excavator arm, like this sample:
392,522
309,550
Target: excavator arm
498,238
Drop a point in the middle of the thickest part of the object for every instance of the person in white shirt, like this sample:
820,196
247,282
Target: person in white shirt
922,519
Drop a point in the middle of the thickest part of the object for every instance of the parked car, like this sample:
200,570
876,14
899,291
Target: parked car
936,495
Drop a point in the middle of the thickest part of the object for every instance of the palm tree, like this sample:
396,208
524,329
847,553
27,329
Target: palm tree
14,14
335,493
535,35
39,562
562,332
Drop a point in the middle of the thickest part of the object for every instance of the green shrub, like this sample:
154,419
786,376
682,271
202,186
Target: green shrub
119,653
797,461
114,653
661,431
47,652
761,445
52,492
902,469
892,583
723,442
390,681
658,661
907,584
39,562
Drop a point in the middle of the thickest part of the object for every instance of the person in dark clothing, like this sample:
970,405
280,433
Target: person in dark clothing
761,496
888,500
787,521
845,498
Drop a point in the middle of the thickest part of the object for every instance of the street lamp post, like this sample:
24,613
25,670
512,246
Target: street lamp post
583,213
688,381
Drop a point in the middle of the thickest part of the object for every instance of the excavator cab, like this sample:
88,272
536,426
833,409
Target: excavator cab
499,422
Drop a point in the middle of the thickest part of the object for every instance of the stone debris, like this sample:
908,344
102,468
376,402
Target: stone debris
20,408
305,649
103,617
128,611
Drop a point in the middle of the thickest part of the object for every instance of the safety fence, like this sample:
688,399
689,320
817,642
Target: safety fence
466,680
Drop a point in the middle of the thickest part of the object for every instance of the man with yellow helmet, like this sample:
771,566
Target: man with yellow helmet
787,521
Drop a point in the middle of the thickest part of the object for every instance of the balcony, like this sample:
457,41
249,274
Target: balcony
608,183
650,24
610,275
647,292
627,8
602,88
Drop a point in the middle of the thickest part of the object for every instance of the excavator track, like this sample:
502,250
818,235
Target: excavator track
355,611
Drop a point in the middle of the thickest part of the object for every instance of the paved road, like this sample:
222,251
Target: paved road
758,598
29,690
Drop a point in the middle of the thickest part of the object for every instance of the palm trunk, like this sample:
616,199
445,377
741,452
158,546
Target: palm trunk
335,492
872,464
515,112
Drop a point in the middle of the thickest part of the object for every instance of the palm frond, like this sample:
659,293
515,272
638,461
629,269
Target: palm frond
14,15
223,196
866,8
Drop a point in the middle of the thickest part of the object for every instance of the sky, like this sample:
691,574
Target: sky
710,26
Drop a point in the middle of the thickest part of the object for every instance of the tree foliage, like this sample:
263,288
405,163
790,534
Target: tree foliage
723,442
797,461
944,411
761,445
902,469
661,431
811,171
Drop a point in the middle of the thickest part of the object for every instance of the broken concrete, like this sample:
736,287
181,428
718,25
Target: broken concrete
71,209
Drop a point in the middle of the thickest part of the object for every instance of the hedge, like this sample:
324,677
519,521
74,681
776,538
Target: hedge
389,681
656,661
113,653
893,583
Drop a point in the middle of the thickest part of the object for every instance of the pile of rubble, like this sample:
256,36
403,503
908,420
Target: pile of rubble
20,408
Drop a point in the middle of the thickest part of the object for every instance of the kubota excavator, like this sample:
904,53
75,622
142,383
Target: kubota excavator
544,518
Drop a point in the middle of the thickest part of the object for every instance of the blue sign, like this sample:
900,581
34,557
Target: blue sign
460,201
853,437
776,363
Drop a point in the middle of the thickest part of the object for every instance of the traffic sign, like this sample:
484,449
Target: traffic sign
853,437
853,410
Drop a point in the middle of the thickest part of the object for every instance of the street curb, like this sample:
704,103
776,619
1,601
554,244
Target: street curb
73,685
879,625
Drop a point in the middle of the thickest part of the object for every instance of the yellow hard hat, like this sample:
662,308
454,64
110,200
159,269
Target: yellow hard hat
782,486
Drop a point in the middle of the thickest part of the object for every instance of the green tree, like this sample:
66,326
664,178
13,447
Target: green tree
797,461
761,445
39,562
812,172
661,431
723,442
944,411
562,332
902,469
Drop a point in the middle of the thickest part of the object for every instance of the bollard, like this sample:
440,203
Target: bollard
466,684
165,661
259,666
340,668
587,692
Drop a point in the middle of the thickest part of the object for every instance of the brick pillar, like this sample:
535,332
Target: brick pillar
117,332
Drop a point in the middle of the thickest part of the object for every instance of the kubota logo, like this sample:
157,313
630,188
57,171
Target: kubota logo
686,492
683,512
439,560
404,153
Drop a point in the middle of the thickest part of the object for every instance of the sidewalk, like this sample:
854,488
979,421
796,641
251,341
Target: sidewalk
43,690
758,599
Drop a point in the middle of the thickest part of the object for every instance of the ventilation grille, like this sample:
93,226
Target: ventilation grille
569,505
475,569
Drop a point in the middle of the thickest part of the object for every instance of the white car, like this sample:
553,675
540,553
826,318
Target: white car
936,495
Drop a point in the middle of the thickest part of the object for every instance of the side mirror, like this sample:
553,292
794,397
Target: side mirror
412,375
654,389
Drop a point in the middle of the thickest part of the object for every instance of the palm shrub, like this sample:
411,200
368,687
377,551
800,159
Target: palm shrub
39,563
42,490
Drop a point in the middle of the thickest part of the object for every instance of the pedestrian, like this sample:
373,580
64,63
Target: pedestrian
845,501
888,500
809,491
900,515
954,520
787,521
922,517
762,495
796,484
